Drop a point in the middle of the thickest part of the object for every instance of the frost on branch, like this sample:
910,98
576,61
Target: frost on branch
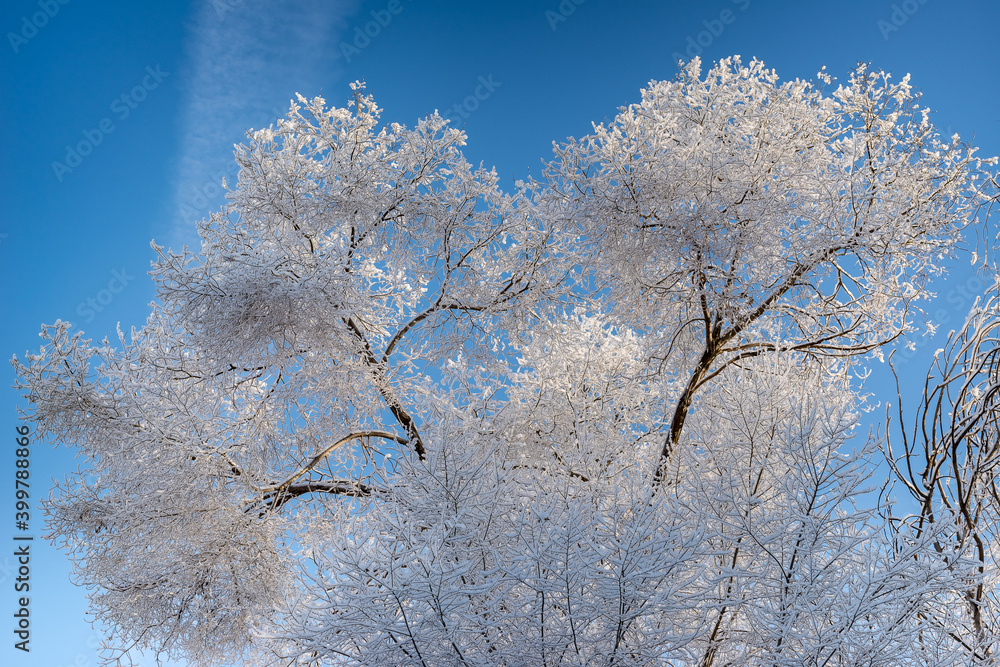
388,414
947,463
730,216
280,362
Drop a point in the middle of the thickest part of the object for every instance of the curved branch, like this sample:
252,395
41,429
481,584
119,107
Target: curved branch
395,407
274,501
279,488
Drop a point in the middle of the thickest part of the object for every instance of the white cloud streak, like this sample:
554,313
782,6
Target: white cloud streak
246,60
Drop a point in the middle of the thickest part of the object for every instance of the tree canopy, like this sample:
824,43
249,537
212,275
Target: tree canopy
390,414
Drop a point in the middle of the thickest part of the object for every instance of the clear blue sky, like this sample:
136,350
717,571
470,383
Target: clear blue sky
120,119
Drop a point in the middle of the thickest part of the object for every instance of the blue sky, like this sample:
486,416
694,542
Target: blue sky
120,121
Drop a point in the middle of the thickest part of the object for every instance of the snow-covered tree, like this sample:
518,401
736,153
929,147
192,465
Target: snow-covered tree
730,216
391,415
948,461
